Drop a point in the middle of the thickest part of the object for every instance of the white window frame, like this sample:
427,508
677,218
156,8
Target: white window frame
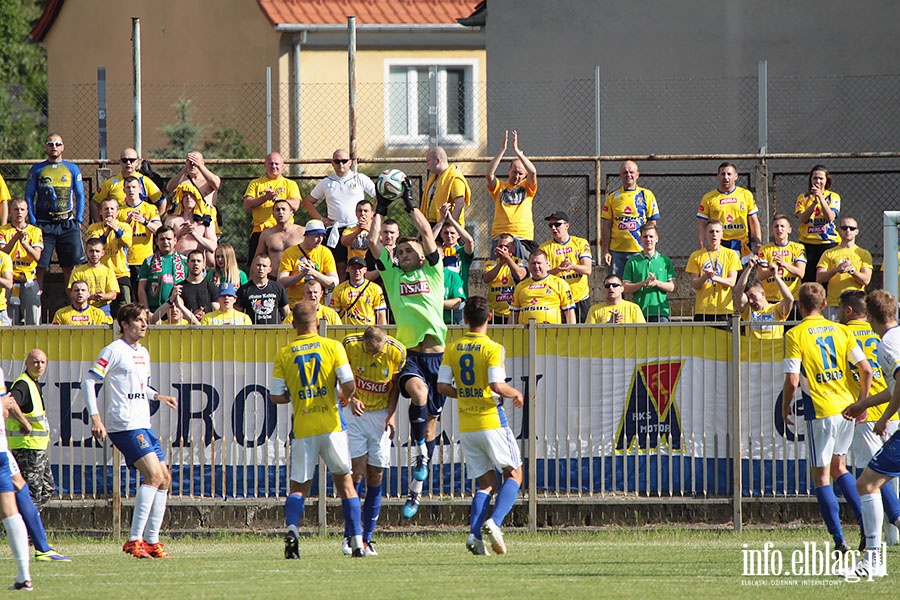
443,139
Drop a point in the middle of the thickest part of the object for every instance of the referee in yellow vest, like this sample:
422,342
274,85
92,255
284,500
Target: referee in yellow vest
29,443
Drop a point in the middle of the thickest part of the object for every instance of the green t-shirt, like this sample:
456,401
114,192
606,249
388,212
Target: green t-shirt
162,274
417,299
453,288
653,301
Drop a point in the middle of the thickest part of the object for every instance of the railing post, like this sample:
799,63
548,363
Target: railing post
532,423
736,433
321,505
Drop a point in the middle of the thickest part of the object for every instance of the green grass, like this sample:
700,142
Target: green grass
659,563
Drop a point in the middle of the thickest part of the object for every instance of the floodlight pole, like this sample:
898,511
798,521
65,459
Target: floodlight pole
891,222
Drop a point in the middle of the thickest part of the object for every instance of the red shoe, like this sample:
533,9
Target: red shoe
136,549
156,550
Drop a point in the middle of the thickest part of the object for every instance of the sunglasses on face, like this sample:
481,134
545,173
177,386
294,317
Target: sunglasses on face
340,161
555,225
848,228
128,159
610,286
56,144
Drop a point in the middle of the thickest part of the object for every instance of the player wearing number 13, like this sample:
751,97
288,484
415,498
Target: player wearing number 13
472,371
818,355
304,375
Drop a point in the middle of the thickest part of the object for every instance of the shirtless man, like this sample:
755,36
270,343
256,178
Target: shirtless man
275,240
195,171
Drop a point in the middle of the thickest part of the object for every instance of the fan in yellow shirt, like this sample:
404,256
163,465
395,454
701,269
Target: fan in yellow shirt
542,297
714,271
615,309
755,307
227,314
80,312
101,280
358,300
313,291
844,267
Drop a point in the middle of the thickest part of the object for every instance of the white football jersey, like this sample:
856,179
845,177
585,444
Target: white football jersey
125,371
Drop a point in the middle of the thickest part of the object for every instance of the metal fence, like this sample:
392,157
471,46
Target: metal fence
678,410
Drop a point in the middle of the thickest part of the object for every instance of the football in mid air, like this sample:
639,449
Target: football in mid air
390,184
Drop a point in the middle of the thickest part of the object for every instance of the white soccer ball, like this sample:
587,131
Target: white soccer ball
390,184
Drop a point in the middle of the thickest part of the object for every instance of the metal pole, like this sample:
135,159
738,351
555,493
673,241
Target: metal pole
268,110
351,80
762,84
598,208
322,506
298,42
597,113
532,426
136,66
433,133
101,113
891,220
736,433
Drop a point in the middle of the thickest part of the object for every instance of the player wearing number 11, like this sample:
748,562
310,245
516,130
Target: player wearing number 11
304,375
472,371
818,355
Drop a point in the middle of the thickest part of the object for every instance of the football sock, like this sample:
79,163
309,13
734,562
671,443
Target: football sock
143,502
350,508
429,449
507,495
18,542
828,508
157,513
416,486
32,519
890,501
873,515
371,512
478,512
847,483
293,509
418,419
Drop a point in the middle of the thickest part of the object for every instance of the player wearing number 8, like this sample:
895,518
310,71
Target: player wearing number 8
305,374
473,371
818,355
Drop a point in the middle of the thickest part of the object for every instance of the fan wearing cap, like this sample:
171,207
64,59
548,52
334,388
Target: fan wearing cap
226,315
310,259
570,260
358,300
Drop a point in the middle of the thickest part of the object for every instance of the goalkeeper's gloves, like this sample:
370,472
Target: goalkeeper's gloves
382,203
407,196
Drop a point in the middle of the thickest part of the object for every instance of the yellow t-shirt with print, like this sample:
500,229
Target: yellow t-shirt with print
24,267
69,315
502,288
358,305
733,210
574,249
859,259
141,237
763,327
116,256
329,315
818,230
868,341
543,300
114,187
374,375
714,298
628,210
100,280
471,358
320,256
792,253
601,313
513,212
284,189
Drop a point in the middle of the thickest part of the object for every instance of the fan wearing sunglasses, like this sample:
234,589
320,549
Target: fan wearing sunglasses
844,267
615,309
114,187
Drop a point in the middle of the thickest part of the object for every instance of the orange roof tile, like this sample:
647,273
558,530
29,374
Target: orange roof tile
367,12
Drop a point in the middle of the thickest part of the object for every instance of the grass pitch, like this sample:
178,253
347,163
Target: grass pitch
658,563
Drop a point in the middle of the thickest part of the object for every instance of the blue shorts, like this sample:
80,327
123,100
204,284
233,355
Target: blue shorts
6,484
65,236
887,460
135,444
425,367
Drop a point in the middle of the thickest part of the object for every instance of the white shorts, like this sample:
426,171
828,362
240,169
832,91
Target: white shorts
305,453
827,437
489,450
13,465
866,443
369,436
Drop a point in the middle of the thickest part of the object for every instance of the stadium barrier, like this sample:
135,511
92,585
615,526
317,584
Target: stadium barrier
612,411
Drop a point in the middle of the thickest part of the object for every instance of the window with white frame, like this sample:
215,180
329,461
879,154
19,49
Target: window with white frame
427,100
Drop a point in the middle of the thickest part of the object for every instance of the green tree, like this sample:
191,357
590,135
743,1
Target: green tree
183,135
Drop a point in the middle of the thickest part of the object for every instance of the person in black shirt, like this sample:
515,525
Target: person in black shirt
197,292
265,301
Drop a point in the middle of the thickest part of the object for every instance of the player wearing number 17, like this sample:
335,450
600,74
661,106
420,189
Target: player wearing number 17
818,355
473,371
304,375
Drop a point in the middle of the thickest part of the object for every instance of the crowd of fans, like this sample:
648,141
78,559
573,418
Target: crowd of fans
161,248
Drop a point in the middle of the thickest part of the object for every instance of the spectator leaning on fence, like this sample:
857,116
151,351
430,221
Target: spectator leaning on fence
173,312
55,195
226,314
735,208
79,311
264,300
614,309
341,191
445,185
844,267
117,237
144,220
714,270
261,195
313,292
649,276
501,276
114,186
570,259
281,236
750,301
24,244
513,198
625,211
309,259
542,297
822,353
818,211
104,287
358,300
784,256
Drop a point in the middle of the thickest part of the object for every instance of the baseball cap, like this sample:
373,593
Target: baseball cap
226,289
356,261
558,216
315,227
